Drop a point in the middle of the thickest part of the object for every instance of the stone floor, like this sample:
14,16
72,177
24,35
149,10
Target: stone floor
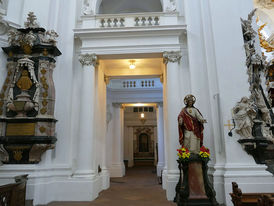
138,188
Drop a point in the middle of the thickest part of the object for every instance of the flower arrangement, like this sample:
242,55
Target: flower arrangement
204,153
183,154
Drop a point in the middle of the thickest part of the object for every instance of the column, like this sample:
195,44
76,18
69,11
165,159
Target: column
173,107
160,137
102,97
130,147
85,161
117,167
155,141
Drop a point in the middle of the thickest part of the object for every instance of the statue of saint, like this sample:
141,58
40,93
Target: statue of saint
24,83
191,127
243,114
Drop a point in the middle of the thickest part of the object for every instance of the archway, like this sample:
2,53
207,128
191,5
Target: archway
128,6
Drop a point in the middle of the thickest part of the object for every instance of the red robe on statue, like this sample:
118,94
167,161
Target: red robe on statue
190,123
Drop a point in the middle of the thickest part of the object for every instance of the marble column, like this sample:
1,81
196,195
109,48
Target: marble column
160,137
85,161
173,107
130,147
118,167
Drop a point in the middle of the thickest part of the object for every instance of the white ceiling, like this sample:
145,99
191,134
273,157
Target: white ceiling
151,63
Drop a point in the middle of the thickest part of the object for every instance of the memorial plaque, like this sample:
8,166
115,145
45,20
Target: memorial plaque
20,129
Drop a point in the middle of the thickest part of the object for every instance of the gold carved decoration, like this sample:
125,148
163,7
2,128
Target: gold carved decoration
9,73
10,54
5,87
45,52
43,71
42,129
23,129
43,110
27,48
45,86
24,83
2,95
43,79
1,103
17,155
44,102
45,94
263,43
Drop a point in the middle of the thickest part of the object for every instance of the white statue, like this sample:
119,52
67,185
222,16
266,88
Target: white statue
243,114
171,7
260,103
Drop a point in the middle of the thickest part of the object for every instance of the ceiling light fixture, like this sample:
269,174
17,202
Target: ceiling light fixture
132,64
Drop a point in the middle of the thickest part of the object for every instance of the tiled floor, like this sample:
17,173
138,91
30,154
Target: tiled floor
138,188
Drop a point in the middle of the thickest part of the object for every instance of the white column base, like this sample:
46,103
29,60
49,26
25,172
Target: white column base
160,168
55,183
117,170
164,178
105,178
171,182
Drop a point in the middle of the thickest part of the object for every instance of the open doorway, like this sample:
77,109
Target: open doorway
133,96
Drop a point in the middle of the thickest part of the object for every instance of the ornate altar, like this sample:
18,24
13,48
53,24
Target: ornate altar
27,97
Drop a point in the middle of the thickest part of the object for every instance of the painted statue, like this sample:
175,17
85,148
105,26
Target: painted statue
190,122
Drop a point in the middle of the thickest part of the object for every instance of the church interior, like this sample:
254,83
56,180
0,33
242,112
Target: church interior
125,102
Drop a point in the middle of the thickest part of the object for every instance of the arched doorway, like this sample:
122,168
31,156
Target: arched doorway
129,6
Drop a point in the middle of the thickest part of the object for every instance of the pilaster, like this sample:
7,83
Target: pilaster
160,137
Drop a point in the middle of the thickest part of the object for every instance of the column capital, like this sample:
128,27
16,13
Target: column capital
88,59
118,105
172,56
106,79
159,104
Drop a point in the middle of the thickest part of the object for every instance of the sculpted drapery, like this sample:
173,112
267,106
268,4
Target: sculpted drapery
190,123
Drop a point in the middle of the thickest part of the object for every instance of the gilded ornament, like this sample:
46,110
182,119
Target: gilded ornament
45,52
1,103
7,81
9,73
43,71
44,102
17,155
42,129
263,43
45,86
5,87
43,79
45,94
24,83
10,54
27,48
43,111
2,95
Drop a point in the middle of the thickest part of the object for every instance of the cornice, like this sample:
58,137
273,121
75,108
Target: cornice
90,33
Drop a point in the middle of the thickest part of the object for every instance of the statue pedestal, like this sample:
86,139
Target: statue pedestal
194,187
